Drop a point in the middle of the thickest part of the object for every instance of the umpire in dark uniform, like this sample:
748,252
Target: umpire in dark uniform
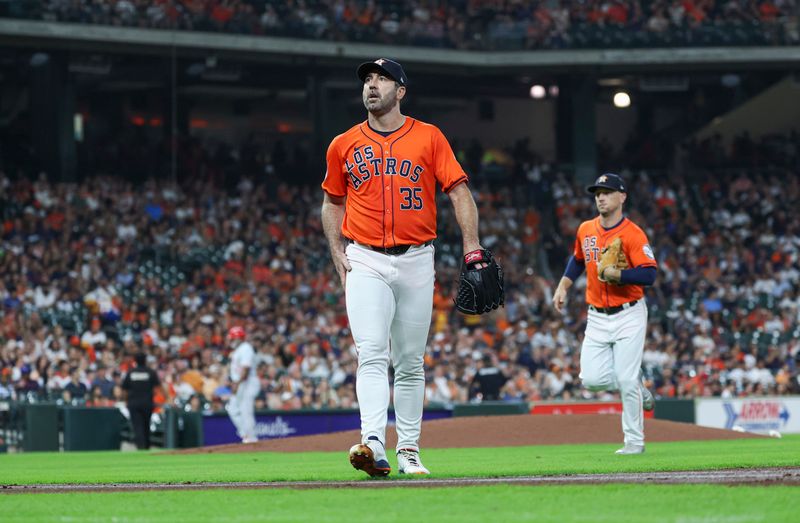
139,385
488,381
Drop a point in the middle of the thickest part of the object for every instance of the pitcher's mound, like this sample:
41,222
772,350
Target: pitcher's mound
496,431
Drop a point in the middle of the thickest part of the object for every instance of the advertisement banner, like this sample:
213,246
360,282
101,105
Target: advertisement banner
218,428
756,414
581,407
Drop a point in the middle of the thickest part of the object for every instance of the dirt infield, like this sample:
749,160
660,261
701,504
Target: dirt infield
496,431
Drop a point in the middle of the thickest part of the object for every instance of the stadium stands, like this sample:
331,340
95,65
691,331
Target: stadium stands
461,24
93,272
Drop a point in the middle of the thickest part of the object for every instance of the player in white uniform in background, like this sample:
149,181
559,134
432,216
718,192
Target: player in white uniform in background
244,385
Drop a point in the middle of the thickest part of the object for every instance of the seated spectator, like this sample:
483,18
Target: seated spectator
95,398
94,337
6,388
76,388
557,382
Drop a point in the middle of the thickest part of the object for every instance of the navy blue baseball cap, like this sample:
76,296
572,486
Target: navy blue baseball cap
388,67
610,181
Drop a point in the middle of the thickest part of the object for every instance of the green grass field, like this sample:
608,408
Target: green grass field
137,467
497,504
579,503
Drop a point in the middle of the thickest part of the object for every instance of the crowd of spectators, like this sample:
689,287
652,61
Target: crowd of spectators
91,273
94,272
777,150
642,150
460,24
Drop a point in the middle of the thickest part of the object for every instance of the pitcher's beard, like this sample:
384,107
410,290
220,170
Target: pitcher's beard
378,107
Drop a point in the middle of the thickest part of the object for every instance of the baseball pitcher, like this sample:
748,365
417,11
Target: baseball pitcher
379,216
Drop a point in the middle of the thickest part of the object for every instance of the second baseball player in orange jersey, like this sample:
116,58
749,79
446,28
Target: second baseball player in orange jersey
379,216
616,325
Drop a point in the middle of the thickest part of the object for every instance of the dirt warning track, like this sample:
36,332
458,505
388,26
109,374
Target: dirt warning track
764,476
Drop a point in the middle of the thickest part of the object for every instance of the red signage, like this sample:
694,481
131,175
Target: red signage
761,410
599,407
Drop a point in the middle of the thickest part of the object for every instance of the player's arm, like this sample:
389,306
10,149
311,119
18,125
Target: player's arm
452,178
466,215
644,276
575,267
243,374
332,217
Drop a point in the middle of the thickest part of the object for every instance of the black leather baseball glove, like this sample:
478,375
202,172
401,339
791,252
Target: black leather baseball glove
480,290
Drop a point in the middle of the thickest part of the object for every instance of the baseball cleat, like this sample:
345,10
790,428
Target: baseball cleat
408,462
362,458
631,449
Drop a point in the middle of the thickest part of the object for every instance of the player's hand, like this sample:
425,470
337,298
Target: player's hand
342,265
612,275
559,299
234,387
475,247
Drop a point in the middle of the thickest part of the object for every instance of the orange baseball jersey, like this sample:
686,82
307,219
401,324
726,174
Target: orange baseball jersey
390,182
591,239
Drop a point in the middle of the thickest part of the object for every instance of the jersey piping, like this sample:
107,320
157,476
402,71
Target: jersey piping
383,193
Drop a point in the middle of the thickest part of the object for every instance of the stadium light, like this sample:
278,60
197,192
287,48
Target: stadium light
622,99
538,92
77,127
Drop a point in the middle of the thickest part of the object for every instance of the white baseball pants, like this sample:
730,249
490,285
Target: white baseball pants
241,409
611,358
390,298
